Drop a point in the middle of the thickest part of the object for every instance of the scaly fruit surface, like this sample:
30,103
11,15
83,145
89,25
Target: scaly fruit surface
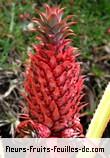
53,83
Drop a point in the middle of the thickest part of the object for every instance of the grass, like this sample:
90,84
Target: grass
93,23
13,36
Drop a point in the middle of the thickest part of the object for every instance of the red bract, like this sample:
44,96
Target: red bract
53,83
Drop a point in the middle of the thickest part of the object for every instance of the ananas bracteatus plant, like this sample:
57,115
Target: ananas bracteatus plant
53,83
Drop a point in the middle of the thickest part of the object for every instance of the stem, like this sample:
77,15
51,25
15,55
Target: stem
101,116
12,18
99,121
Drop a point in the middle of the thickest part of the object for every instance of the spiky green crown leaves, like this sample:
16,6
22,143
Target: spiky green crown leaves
51,25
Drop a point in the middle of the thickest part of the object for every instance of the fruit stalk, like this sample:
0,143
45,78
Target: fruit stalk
101,116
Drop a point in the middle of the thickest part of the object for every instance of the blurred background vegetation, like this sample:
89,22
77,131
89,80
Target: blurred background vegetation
92,38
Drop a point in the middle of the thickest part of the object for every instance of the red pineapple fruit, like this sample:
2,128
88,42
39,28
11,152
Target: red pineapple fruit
53,83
